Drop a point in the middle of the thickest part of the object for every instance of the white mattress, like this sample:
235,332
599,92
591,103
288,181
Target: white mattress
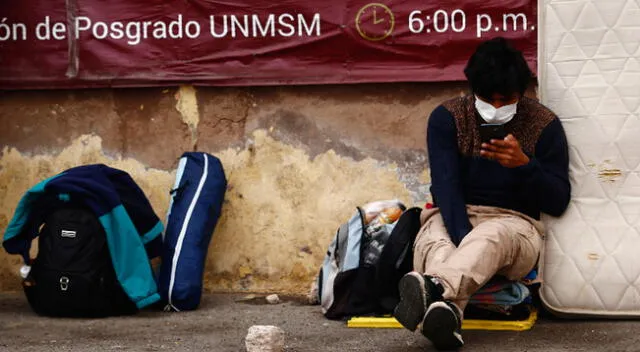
590,76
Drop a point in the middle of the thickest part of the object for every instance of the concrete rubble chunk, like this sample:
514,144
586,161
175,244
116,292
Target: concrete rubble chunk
273,299
265,338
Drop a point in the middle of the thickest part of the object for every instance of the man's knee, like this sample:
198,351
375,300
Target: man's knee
431,250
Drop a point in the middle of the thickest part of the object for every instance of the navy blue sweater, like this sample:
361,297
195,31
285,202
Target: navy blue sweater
461,176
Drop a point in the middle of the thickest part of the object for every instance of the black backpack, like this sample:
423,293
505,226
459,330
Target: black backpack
396,259
72,275
349,285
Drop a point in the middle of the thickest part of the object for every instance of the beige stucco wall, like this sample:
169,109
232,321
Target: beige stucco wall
298,160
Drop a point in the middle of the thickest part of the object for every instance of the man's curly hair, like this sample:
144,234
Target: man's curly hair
497,67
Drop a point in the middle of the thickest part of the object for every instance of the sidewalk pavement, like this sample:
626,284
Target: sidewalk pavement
222,321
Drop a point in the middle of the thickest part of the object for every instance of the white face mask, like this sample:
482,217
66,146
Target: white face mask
499,116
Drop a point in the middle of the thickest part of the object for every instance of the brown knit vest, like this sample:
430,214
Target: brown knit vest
527,125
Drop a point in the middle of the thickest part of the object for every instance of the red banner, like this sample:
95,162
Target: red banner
96,43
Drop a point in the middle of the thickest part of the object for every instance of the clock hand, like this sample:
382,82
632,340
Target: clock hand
375,18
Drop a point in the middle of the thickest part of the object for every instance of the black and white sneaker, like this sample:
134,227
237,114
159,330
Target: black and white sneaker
417,292
442,325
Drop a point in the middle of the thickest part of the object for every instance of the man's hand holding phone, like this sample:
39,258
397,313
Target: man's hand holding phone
506,151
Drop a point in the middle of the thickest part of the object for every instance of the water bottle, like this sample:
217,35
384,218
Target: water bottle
372,252
386,216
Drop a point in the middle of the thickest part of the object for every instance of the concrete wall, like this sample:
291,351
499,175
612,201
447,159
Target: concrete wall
298,160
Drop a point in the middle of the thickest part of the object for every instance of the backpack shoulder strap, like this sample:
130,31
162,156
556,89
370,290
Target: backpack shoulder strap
349,242
396,258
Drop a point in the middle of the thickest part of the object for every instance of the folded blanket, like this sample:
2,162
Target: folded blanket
500,291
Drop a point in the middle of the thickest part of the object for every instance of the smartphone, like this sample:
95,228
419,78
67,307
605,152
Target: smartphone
489,131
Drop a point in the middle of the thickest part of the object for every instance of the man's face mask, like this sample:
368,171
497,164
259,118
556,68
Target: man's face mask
490,114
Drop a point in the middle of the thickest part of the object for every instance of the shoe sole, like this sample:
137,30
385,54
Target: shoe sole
440,325
413,301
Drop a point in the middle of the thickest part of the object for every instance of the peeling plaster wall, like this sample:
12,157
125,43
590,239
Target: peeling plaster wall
298,160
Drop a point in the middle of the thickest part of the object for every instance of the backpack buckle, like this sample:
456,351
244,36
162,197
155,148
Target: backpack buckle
64,283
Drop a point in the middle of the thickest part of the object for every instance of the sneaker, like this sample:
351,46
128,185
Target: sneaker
417,292
442,325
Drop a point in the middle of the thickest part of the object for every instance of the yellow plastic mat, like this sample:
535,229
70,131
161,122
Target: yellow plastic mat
467,324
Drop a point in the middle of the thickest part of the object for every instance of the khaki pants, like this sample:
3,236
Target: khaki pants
502,242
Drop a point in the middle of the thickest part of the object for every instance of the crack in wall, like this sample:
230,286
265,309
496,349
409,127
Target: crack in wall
224,119
187,106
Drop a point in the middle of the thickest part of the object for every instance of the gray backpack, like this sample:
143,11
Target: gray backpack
362,268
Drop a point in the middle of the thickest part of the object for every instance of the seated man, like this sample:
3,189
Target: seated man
488,194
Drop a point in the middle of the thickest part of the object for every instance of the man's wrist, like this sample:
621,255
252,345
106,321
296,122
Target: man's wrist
528,167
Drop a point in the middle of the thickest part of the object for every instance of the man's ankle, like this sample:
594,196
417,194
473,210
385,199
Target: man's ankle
434,287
